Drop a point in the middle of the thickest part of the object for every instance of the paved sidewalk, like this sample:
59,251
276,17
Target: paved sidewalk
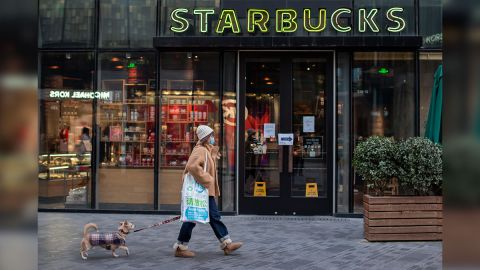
270,243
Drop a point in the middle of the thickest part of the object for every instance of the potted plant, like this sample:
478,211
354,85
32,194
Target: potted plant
417,164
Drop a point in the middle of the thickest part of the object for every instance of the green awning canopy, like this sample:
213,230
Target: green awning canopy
433,128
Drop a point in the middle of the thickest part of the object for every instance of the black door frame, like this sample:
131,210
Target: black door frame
284,204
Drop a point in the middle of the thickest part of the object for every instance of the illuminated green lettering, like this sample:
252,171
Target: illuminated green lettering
286,20
228,19
257,17
203,18
401,24
364,19
336,24
322,20
182,22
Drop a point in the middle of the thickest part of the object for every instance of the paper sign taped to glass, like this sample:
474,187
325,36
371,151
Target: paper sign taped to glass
285,138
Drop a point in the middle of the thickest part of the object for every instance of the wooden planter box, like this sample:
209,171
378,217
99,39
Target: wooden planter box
403,218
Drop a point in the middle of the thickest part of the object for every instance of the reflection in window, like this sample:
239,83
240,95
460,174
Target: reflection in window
126,130
66,23
429,63
189,85
127,23
65,130
431,22
383,99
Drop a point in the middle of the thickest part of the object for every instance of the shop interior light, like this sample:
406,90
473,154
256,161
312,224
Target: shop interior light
115,59
189,55
54,67
128,55
269,83
119,67
383,71
68,56
266,78
132,65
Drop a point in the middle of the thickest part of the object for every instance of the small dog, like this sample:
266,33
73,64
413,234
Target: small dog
109,241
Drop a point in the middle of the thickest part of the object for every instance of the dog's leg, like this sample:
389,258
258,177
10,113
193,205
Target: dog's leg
113,252
83,250
126,249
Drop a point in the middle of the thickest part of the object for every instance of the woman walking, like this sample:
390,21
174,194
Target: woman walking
208,178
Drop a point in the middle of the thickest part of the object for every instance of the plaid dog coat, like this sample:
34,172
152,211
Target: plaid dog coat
99,239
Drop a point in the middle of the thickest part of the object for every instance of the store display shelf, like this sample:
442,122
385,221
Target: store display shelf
135,131
126,167
178,142
125,141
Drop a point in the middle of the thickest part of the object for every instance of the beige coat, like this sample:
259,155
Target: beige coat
196,163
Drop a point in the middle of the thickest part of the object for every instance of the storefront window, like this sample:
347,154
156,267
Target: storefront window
431,21
190,96
66,23
343,132
429,63
127,23
126,131
65,130
383,100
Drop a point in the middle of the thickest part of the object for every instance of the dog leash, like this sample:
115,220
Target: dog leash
158,224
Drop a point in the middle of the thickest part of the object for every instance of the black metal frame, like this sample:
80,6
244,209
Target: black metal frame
285,204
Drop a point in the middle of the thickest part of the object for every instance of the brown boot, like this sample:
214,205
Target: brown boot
228,246
183,252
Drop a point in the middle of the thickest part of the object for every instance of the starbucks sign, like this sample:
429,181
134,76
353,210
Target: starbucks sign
210,20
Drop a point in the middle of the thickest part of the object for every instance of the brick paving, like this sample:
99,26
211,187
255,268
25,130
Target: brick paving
270,243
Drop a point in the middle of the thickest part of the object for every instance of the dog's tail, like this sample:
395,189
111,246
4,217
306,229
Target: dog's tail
89,226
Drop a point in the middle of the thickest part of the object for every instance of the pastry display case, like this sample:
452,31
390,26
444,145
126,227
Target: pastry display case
64,176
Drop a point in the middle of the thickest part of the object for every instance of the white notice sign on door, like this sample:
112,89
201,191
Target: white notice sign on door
269,130
308,124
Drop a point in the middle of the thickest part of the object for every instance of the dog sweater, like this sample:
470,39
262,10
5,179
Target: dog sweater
98,239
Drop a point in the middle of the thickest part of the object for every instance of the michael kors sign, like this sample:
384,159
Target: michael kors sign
288,20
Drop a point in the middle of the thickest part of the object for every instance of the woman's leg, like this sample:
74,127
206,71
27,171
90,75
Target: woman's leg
220,229
185,233
217,225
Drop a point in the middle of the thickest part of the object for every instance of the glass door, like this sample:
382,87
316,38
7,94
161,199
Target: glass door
286,143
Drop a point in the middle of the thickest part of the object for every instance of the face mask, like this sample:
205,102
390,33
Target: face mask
212,140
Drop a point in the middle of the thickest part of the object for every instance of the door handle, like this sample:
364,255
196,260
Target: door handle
290,159
280,158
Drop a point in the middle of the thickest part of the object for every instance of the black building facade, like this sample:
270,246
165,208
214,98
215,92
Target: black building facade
290,87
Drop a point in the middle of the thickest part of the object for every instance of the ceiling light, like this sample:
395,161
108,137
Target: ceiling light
128,55
54,67
115,59
119,67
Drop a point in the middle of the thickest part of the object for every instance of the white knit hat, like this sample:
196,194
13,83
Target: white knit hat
203,131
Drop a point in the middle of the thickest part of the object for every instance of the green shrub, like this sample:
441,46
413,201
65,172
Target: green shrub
374,160
419,166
